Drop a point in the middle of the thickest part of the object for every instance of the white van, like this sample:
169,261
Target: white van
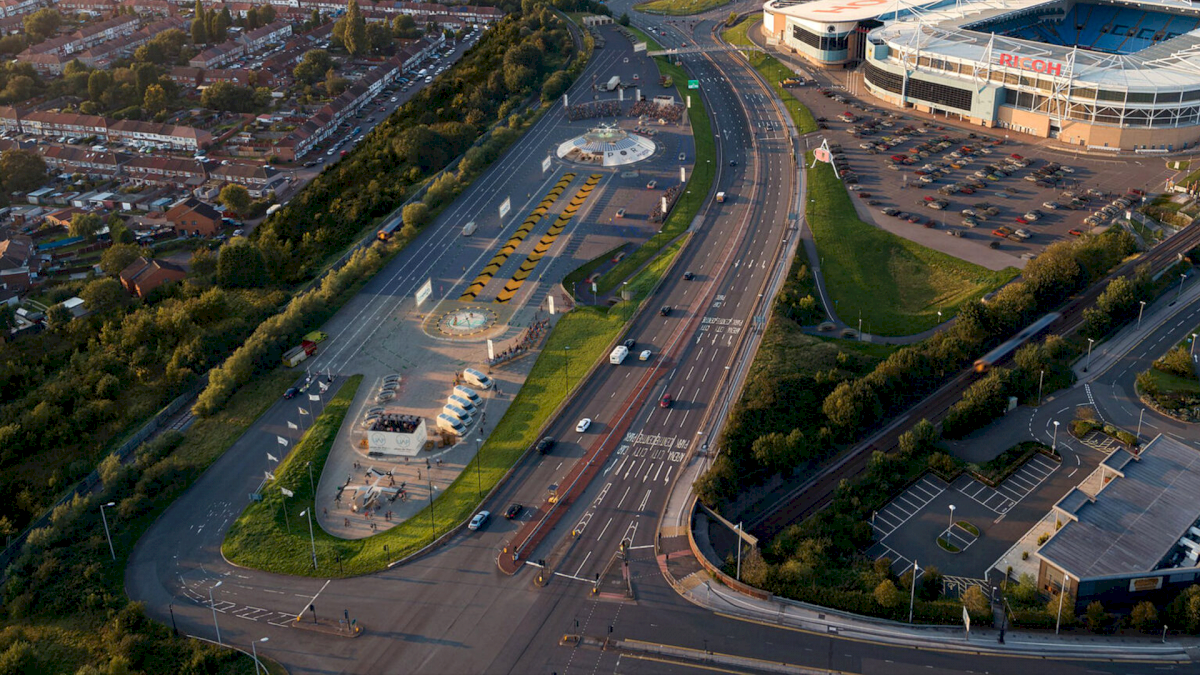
618,355
469,229
467,393
457,412
478,379
461,402
448,423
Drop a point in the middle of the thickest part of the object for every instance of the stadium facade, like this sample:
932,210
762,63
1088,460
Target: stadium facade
1094,73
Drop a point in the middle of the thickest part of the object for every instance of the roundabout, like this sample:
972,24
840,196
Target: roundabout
465,322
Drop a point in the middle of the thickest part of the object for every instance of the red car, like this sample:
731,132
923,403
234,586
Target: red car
1016,157
1022,220
665,401
898,158
1075,233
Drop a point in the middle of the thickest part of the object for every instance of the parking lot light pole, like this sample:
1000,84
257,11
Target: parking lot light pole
912,593
1088,365
1140,416
1041,378
951,523
1180,291
1140,310
1054,443
107,536
479,467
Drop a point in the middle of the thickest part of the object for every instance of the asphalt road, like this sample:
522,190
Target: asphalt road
453,611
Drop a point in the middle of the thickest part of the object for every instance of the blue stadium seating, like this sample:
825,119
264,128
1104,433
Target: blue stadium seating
1120,30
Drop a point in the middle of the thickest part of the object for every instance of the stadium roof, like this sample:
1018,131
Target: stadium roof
836,11
1135,521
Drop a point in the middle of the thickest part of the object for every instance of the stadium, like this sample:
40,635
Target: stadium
1094,74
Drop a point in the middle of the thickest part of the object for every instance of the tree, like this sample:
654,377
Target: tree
99,82
624,20
21,170
12,44
85,225
1097,618
403,26
228,97
1145,617
199,25
555,85
335,85
354,30
1184,611
58,316
851,405
203,262
118,231
886,594
19,88
42,24
221,23
415,215
155,100
975,601
103,294
117,257
314,20
240,265
313,66
235,197
728,22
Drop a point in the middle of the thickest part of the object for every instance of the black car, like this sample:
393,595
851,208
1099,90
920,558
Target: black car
291,392
629,344
513,511
665,311
688,276
545,445
733,162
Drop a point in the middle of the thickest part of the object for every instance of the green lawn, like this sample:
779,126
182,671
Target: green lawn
774,72
259,539
898,286
698,185
585,270
678,7
1173,384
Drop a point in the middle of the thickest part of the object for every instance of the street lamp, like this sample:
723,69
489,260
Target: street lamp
254,650
912,592
479,467
1140,416
106,534
1178,292
951,523
213,604
566,369
1054,443
1089,357
311,538
1193,352
1041,377
310,482
431,526
1140,310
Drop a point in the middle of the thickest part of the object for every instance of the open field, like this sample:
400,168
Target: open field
895,285
678,7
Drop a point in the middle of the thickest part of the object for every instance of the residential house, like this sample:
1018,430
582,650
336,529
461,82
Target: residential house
162,135
193,217
73,159
18,7
143,276
260,180
153,170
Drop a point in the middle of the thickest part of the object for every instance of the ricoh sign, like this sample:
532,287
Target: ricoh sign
1027,63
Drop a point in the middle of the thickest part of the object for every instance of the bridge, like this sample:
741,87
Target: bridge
702,50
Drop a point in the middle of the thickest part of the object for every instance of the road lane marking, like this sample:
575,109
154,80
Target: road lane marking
623,498
605,529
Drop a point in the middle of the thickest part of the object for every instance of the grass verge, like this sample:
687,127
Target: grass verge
259,539
897,286
774,72
585,270
968,527
678,7
694,193
947,546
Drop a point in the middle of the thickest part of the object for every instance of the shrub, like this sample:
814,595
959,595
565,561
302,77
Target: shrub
1145,617
1176,362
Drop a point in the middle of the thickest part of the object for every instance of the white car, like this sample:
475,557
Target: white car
583,424
479,519
644,356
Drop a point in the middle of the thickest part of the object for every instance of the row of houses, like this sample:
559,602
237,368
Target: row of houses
187,76
240,45
325,121
52,56
50,124
87,37
19,7
137,169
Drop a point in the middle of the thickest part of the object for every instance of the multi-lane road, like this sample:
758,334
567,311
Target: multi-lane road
454,610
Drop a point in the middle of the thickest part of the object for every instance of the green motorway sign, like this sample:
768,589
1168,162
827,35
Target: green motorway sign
693,84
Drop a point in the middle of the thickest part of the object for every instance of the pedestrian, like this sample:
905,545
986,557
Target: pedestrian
326,512
426,462
347,522
418,474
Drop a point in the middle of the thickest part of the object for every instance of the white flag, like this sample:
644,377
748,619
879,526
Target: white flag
314,397
271,457
292,425
286,492
282,440
302,411
324,387
270,476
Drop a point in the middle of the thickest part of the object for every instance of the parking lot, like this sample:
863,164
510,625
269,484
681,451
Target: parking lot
973,193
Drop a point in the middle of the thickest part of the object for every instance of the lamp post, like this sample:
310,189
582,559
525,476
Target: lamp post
1180,291
1193,351
1062,590
213,604
254,650
106,534
1054,443
951,523
739,545
1140,416
625,296
1041,378
311,487
431,526
912,592
479,467
1140,310
566,369
1089,356
311,538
